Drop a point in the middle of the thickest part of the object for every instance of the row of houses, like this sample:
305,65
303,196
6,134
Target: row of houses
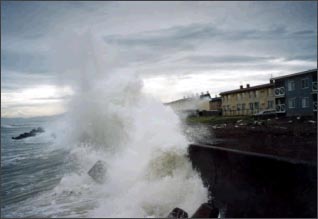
289,95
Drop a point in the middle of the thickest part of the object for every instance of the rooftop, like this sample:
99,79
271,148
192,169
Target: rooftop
296,74
201,96
248,88
215,99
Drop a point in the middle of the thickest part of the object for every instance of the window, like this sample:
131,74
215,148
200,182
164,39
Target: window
305,102
251,106
238,97
256,104
304,83
314,86
270,104
257,93
291,85
270,91
243,106
292,103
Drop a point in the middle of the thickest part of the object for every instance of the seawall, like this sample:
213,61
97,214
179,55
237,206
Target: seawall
246,184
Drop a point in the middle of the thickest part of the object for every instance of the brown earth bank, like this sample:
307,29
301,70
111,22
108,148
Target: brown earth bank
293,138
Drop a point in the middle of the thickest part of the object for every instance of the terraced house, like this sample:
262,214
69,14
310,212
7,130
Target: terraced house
296,94
248,100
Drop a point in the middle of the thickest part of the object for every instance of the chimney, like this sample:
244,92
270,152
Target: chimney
247,85
241,86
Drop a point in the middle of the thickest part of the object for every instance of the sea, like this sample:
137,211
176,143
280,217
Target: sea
47,175
29,167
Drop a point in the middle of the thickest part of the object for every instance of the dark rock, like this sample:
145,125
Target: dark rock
206,210
177,213
32,133
98,171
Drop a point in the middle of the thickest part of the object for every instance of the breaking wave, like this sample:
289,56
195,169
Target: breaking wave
140,140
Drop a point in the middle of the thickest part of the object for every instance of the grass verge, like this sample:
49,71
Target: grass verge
219,119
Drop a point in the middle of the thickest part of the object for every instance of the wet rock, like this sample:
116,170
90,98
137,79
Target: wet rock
32,133
177,213
242,124
98,171
220,126
258,123
206,210
311,121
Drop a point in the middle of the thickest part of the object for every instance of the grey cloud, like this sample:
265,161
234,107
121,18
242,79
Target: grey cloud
166,45
26,62
13,80
182,35
231,59
306,57
65,97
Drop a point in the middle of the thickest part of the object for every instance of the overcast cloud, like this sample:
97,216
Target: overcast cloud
177,48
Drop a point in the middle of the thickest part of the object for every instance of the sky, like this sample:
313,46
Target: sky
177,48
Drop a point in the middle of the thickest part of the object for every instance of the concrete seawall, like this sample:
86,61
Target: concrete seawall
246,184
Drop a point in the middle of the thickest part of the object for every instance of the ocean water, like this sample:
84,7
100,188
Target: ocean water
28,167
108,118
42,178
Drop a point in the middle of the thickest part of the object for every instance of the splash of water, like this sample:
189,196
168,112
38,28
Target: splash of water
110,119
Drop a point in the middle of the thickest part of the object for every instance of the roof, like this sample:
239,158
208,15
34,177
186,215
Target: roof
248,89
180,100
216,99
296,74
190,98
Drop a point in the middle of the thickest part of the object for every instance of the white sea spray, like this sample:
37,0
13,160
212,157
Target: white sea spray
109,118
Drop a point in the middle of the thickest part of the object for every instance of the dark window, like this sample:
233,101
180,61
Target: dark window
243,106
270,104
256,104
292,103
304,83
291,85
305,102
251,106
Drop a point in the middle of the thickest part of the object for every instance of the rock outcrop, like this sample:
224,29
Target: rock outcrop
32,133
98,171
